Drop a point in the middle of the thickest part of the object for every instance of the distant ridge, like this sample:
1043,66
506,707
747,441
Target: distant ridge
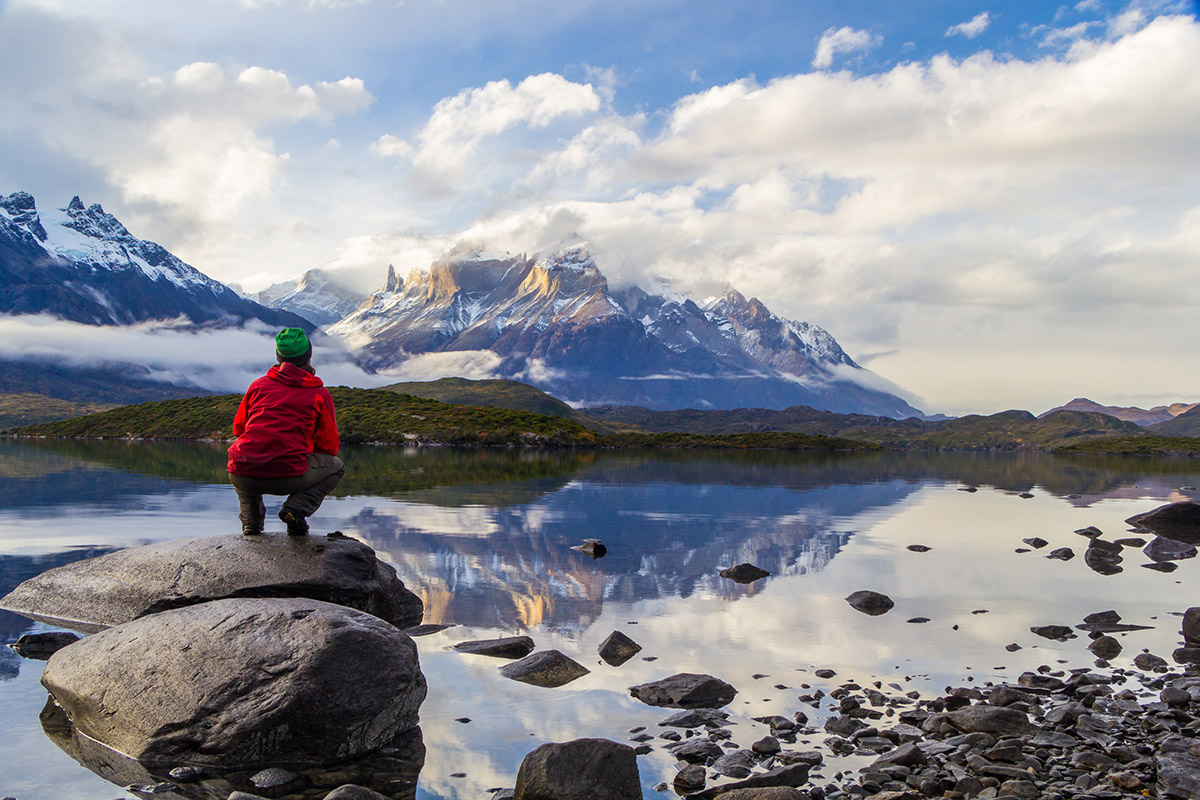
1140,416
1185,424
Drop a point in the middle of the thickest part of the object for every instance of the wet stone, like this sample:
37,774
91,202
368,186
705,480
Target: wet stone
744,573
511,647
870,602
40,646
618,648
547,668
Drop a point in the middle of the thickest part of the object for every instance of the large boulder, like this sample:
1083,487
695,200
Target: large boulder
1175,521
996,720
1178,763
584,769
242,682
546,668
685,690
100,592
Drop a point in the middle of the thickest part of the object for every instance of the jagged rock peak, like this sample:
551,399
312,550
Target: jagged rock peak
394,283
18,202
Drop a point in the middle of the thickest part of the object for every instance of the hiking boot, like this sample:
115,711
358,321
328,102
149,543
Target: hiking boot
297,525
251,531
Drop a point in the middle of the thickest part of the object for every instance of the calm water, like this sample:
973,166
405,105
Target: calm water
485,538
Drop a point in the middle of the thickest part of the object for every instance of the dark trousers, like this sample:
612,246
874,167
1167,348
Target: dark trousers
304,492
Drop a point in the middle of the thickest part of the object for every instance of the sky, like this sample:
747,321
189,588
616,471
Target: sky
991,204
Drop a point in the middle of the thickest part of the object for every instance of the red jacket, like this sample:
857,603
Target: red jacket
284,416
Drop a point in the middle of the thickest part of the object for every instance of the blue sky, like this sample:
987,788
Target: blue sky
991,204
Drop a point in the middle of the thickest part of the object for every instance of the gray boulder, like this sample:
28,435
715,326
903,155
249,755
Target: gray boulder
242,682
791,775
869,602
618,648
1178,762
735,764
1164,549
685,690
100,592
352,791
584,769
546,668
1106,647
994,720
1174,520
1191,625
696,750
507,647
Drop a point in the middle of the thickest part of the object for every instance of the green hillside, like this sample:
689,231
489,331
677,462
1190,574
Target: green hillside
1145,445
1186,424
30,409
498,393
364,415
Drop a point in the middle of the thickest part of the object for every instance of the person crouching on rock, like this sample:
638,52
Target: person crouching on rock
287,440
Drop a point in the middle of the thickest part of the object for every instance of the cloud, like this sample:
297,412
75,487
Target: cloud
972,28
473,364
459,124
842,40
219,360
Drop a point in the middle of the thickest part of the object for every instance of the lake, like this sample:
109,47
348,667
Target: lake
486,537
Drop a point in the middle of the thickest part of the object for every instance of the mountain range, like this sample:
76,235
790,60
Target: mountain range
1145,417
553,321
81,264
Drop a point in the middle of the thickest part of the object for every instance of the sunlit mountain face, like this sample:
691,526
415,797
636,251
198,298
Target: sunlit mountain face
552,320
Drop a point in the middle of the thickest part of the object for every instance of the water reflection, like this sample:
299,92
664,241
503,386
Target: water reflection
486,537
392,771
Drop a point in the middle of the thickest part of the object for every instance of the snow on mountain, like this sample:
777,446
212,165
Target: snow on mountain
318,297
554,322
81,264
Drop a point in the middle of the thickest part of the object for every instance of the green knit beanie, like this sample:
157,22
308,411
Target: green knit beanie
291,343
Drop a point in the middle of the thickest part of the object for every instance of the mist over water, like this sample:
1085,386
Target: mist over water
485,538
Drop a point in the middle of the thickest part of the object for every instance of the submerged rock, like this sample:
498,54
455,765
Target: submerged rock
869,602
1164,549
618,648
242,682
685,690
40,646
583,769
507,647
744,573
1058,632
593,548
100,592
546,668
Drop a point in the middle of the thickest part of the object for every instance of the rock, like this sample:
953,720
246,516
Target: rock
1059,632
242,682
1175,520
276,779
766,746
1007,695
1178,763
920,548
1149,662
1061,554
694,718
426,630
696,750
869,602
108,590
1025,495
1105,647
1103,557
1161,566
352,791
618,648
184,774
994,720
918,620
583,769
40,646
1186,655
685,690
844,725
1163,549
825,673
765,793
906,755
691,778
1091,532
1191,625
506,647
744,573
593,548
1035,542
547,668
737,764
1109,617
791,775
